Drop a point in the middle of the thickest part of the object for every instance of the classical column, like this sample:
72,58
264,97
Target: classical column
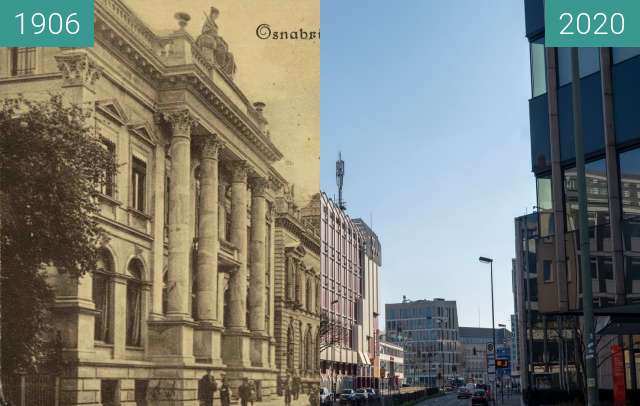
207,275
257,297
238,283
179,214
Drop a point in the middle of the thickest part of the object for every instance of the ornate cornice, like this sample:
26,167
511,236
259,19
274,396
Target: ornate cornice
78,69
120,31
308,239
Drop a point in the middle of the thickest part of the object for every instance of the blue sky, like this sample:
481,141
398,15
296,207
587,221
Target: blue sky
427,101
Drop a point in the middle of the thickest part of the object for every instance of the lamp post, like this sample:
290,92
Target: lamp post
489,261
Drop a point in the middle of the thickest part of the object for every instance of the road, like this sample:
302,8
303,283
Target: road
450,399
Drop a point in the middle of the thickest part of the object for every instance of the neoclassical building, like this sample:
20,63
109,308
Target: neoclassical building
187,280
297,289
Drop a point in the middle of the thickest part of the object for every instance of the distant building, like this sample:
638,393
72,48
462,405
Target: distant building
474,342
428,332
391,364
342,355
369,308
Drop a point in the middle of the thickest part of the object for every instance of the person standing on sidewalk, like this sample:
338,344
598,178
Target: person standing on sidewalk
244,392
225,393
296,387
207,386
287,391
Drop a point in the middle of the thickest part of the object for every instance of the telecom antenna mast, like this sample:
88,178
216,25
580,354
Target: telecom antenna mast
340,180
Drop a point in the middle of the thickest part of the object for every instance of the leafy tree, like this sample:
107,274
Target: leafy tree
51,168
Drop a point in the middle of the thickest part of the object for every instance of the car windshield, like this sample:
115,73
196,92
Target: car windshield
479,393
370,390
360,391
347,391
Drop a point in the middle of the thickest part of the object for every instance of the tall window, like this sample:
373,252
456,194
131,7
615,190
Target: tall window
23,61
138,184
102,298
108,188
538,68
588,61
134,303
545,206
309,295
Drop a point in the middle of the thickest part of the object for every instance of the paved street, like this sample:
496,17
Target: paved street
451,399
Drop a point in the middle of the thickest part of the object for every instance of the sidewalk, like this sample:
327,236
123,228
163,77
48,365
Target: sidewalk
303,400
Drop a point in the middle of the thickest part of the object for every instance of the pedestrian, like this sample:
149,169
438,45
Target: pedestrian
225,393
244,392
314,395
296,387
287,392
207,386
253,394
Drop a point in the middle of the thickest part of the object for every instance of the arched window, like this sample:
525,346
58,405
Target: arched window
300,286
103,297
317,297
135,271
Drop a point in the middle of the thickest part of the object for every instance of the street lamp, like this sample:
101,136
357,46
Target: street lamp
489,261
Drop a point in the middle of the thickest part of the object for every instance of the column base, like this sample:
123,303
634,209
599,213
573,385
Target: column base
236,347
260,350
171,341
207,344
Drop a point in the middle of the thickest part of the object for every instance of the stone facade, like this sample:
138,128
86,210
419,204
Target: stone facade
187,279
297,290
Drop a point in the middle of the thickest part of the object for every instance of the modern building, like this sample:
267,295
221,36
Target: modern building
473,341
391,365
427,330
297,289
369,308
343,354
186,281
609,92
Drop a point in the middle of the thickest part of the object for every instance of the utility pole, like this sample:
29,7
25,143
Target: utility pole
588,335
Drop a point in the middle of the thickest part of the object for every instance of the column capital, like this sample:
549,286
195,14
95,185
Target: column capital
181,122
78,69
259,185
239,171
211,146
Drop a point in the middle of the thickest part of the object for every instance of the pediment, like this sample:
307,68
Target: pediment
113,110
144,131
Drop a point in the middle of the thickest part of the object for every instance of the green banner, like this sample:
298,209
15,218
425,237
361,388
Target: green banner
46,23
592,23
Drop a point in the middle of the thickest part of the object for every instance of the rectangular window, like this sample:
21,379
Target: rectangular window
23,61
546,226
108,188
101,298
547,271
629,182
538,68
140,392
588,60
138,184
109,392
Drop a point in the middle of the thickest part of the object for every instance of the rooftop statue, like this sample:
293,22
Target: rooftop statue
214,47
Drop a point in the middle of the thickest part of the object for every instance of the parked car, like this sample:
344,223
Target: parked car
361,394
347,395
326,397
464,393
371,393
479,398
486,388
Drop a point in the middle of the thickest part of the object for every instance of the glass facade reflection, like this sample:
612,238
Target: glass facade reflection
538,68
630,182
546,225
597,195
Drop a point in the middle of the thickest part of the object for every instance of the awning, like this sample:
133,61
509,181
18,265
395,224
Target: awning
618,324
363,359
